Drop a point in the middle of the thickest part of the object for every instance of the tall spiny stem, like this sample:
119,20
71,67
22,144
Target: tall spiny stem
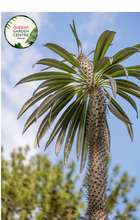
97,161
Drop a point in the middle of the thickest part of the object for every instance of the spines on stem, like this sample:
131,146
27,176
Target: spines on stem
86,67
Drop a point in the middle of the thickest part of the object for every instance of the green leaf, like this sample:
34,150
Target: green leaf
46,103
112,83
131,91
114,68
44,126
101,63
55,81
76,36
81,130
127,84
102,45
124,54
37,114
118,111
71,133
64,117
63,53
84,148
129,99
131,72
137,46
117,114
62,61
61,95
84,153
91,52
30,121
60,139
56,64
40,95
107,135
43,76
136,67
130,130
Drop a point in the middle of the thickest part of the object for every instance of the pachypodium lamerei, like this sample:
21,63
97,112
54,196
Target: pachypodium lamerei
79,92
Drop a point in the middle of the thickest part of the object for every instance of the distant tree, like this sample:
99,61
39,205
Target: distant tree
119,186
38,190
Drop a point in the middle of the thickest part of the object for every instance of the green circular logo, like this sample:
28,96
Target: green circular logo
21,31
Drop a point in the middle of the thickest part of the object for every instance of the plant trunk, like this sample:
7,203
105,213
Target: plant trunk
97,161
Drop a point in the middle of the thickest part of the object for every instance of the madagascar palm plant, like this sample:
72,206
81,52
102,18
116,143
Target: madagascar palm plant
78,90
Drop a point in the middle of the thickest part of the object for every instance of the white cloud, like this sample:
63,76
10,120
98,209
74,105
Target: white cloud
15,65
40,18
13,98
96,21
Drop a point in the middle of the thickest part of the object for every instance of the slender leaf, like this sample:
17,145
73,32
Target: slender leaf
55,81
84,152
114,68
107,135
137,46
101,63
40,95
124,54
46,103
71,133
64,117
56,64
37,114
127,84
131,91
81,130
131,72
43,76
112,83
61,95
117,114
76,36
32,117
118,107
60,139
91,52
122,114
130,130
136,67
30,121
129,99
103,43
84,146
118,111
63,53
62,61
44,126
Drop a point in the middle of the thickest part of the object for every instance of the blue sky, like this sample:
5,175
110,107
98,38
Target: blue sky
54,27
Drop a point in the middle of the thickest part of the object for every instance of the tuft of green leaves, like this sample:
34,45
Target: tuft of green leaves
65,91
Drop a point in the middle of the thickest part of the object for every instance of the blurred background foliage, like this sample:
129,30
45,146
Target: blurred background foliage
39,190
